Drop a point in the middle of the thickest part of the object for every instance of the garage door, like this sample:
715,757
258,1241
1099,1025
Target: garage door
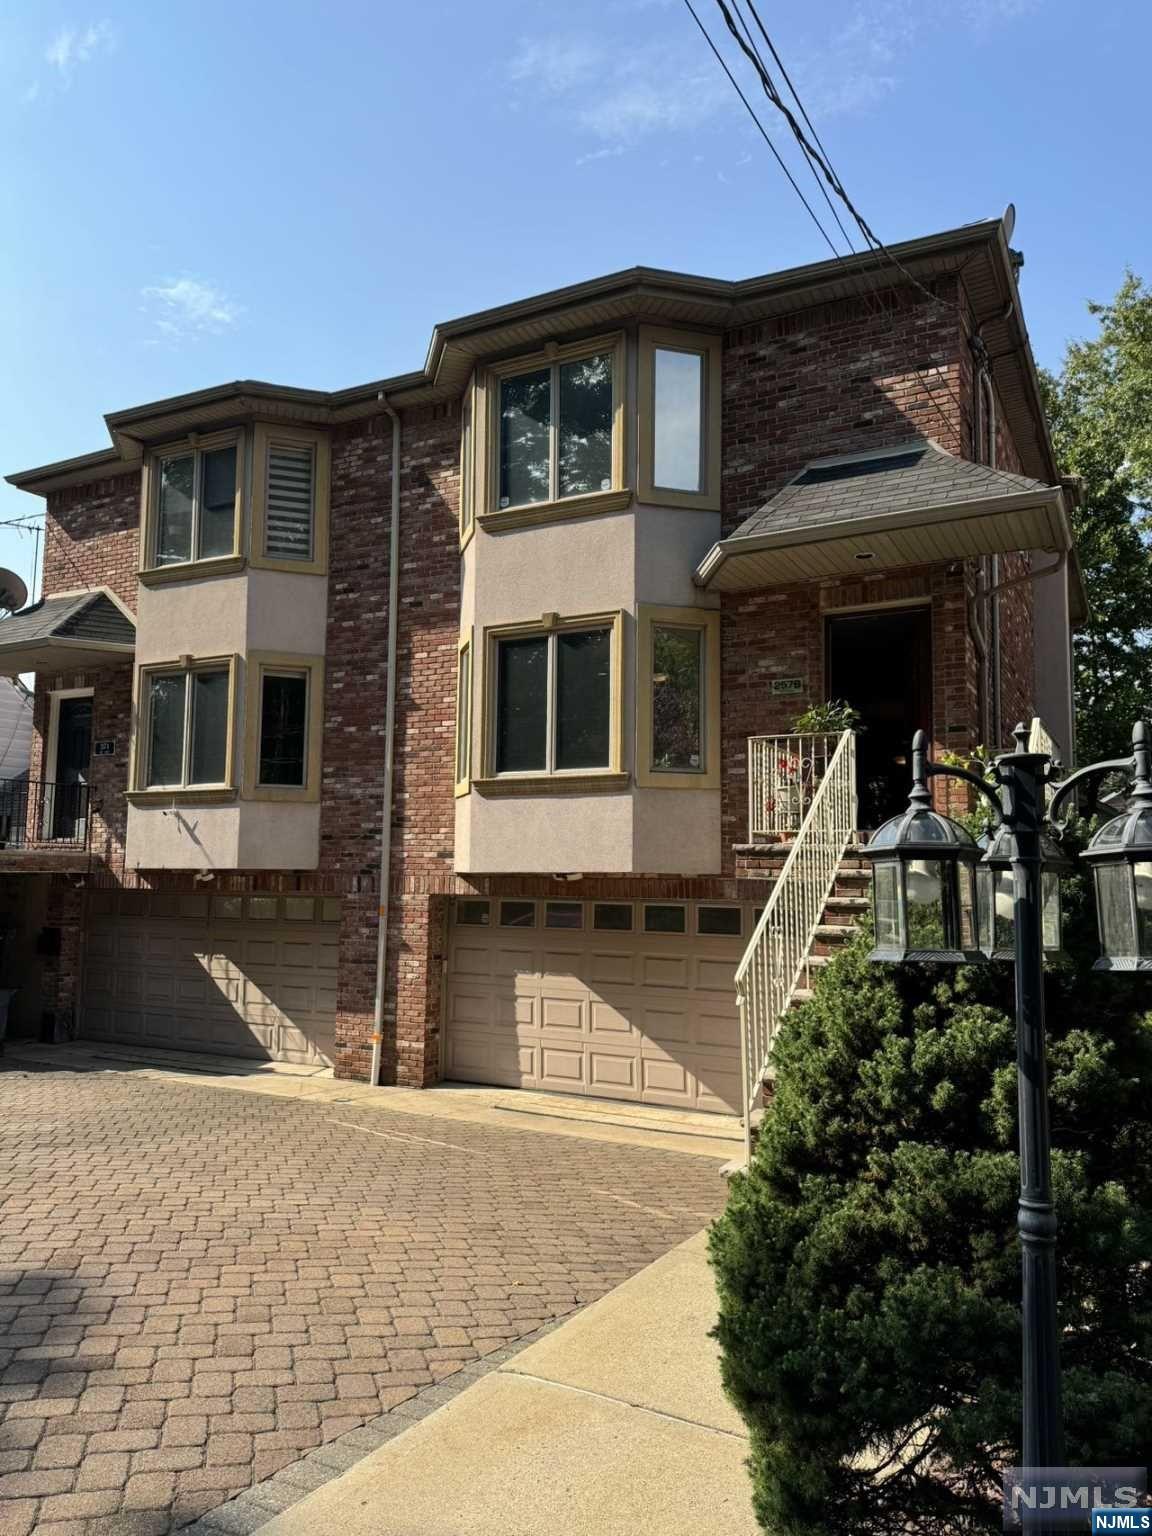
618,1000
237,975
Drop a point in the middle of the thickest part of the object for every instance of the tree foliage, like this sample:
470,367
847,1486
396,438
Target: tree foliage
867,1262
1100,410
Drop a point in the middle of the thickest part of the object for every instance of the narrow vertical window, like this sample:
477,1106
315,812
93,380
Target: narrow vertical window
522,705
677,699
464,717
467,460
288,532
678,419
176,496
525,438
217,503
283,729
679,382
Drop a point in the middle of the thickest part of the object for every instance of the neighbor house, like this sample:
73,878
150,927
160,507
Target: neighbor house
527,628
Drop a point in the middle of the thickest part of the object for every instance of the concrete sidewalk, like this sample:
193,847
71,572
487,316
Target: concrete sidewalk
612,1425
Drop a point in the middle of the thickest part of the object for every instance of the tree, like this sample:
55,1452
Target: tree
1100,410
867,1262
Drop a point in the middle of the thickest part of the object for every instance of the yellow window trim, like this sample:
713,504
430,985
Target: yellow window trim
707,620
709,347
188,570
550,623
486,430
257,665
141,714
470,415
464,715
265,435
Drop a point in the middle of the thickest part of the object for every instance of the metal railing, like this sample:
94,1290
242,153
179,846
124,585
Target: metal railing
35,813
778,952
784,773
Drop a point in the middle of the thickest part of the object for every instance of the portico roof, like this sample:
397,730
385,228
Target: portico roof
912,503
67,632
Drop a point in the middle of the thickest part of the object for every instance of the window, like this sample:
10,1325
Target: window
680,418
517,914
290,500
612,916
661,918
185,739
678,698
541,431
472,914
464,717
563,914
264,909
556,699
299,909
283,726
196,501
724,922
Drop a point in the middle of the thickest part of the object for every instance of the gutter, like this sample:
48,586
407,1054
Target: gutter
384,884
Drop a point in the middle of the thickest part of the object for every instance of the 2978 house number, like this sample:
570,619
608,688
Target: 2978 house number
787,685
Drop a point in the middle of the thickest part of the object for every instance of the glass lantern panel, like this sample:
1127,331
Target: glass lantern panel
1142,875
1114,898
886,904
925,883
927,827
1003,911
1050,911
965,876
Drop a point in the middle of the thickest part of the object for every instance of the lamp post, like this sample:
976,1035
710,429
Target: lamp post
922,844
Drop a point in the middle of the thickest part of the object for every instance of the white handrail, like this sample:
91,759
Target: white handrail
784,773
778,951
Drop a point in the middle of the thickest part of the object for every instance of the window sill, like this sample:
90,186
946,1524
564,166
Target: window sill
601,782
207,794
283,794
593,505
658,778
191,570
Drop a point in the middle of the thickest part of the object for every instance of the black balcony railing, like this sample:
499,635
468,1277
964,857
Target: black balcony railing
37,814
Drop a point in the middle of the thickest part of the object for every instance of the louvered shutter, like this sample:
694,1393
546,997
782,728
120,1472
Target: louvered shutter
291,487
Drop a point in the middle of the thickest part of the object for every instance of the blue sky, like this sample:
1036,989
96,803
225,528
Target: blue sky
297,191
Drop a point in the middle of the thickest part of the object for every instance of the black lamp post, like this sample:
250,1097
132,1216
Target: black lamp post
971,919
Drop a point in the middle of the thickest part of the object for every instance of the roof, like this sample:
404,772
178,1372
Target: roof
73,629
909,504
910,475
980,251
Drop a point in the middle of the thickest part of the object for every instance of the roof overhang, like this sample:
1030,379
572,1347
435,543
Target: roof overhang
60,655
35,639
891,540
979,251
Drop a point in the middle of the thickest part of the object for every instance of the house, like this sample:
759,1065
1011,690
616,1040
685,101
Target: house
504,628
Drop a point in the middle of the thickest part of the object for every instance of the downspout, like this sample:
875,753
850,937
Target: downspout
384,886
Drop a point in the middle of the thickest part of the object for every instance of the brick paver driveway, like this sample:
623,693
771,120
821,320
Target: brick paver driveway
197,1286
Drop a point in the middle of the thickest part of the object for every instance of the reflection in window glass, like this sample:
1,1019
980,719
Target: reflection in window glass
472,914
612,916
209,763
563,914
722,921
583,698
586,426
677,419
517,914
174,514
522,705
217,502
166,728
660,918
283,726
677,685
525,438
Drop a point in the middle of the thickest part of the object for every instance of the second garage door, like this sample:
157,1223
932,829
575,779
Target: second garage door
236,975
624,1000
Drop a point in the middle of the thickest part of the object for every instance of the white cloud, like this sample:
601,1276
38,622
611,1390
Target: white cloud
621,95
187,307
73,46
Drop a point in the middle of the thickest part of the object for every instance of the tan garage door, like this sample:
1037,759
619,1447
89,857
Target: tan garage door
622,1000
193,971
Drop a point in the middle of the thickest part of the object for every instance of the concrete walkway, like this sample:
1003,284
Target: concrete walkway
614,1424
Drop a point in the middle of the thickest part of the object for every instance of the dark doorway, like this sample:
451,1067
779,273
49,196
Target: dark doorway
73,753
881,664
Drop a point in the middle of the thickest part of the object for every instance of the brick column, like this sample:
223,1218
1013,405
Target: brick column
355,986
60,976
413,1006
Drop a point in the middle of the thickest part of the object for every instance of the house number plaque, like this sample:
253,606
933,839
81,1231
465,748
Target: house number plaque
787,685
105,748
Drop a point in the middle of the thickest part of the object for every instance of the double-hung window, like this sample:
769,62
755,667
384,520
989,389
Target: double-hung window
197,492
555,704
678,698
186,740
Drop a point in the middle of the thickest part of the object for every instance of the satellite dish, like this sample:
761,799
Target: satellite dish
13,592
1008,219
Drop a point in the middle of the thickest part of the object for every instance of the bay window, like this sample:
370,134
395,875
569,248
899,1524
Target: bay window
678,698
554,699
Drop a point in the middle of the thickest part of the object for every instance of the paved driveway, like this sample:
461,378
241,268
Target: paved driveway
199,1286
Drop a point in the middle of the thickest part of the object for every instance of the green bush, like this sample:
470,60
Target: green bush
867,1262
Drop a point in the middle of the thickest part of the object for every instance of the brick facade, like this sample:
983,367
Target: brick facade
825,380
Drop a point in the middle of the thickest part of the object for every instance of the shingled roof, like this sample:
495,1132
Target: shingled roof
911,476
74,629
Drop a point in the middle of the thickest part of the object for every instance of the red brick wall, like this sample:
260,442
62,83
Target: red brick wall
92,538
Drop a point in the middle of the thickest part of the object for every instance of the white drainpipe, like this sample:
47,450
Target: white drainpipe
385,878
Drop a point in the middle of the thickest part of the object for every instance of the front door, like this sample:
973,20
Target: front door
73,752
881,664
